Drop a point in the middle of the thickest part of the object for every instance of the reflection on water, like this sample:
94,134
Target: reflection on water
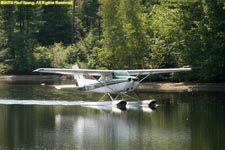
182,121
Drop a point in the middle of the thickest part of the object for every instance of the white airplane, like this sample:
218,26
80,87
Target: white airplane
119,82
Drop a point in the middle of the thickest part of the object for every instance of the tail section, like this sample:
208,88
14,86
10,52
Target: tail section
79,77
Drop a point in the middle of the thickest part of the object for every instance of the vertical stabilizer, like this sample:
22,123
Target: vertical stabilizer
79,77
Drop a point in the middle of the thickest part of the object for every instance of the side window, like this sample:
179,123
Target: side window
108,76
120,74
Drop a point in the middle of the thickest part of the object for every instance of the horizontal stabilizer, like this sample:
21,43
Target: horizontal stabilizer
71,86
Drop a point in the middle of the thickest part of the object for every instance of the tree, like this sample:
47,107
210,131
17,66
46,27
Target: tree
57,25
135,35
21,25
124,44
7,30
28,21
2,31
205,40
3,49
167,38
87,14
113,47
114,34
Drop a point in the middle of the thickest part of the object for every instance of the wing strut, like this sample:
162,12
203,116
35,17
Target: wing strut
144,77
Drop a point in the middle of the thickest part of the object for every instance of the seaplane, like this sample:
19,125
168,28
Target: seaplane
116,84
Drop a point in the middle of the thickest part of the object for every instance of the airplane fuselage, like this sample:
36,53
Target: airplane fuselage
112,86
114,82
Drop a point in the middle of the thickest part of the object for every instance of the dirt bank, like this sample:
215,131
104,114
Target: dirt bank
181,87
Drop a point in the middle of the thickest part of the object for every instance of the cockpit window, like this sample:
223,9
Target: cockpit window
120,73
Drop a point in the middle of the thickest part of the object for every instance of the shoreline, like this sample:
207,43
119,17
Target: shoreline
181,87
143,87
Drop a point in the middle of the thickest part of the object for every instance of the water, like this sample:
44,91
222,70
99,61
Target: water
182,121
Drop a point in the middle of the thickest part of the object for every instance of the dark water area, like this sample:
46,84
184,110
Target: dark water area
187,121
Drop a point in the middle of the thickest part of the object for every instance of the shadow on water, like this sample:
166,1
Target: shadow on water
182,121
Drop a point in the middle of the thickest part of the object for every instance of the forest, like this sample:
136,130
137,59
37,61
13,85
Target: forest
116,34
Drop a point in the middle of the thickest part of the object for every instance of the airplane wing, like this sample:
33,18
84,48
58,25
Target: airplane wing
72,71
97,72
156,71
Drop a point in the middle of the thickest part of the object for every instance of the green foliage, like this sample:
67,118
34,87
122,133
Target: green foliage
22,46
124,44
87,16
42,57
4,52
2,32
135,35
57,55
114,34
166,42
113,44
205,41
57,25
4,62
100,58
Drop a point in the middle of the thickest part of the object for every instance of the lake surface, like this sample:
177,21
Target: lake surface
187,121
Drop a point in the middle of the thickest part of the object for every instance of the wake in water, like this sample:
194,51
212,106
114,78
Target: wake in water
113,106
118,105
40,102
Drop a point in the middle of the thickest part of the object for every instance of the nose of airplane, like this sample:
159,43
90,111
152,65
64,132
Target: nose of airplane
133,82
